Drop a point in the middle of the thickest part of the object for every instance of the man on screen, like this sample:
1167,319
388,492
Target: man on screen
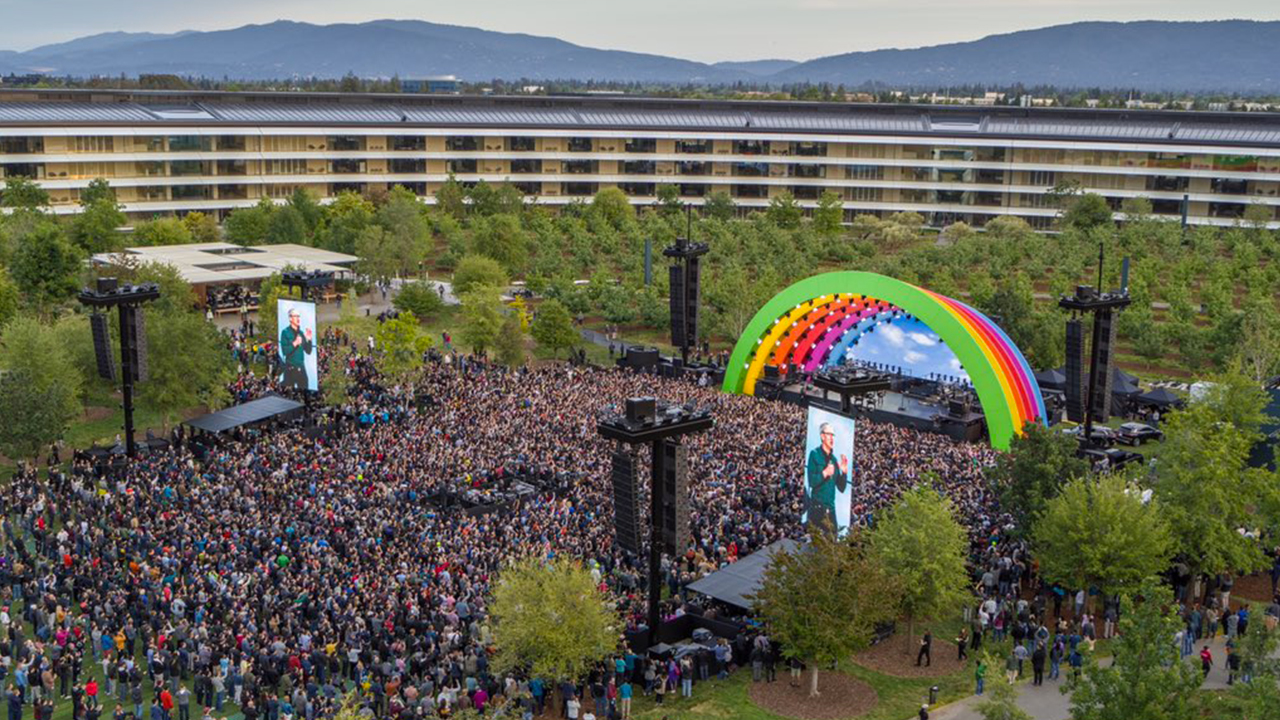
295,346
826,477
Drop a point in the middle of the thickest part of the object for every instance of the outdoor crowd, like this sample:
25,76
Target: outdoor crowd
283,570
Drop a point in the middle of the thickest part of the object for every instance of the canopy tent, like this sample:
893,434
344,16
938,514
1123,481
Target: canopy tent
1052,379
1122,383
734,583
1160,397
270,407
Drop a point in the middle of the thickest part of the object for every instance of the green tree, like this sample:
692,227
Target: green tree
1087,211
451,199
36,352
161,231
1147,679
203,228
345,218
920,542
1258,659
419,298
406,220
1099,533
286,226
96,228
784,211
1257,215
828,218
99,190
1207,491
720,205
402,341
476,271
481,318
33,418
954,233
1038,463
669,203
385,255
309,209
46,267
510,343
249,226
612,206
184,374
10,298
551,620
824,602
23,192
553,328
500,237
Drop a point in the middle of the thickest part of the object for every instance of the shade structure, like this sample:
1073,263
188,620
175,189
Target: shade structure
734,584
270,407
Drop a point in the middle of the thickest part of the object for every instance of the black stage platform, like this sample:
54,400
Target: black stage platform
901,409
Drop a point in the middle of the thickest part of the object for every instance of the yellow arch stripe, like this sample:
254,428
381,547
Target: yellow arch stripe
765,346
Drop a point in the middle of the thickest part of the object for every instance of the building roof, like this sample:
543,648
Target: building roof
224,263
62,107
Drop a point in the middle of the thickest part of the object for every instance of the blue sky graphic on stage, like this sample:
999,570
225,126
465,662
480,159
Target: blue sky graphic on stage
909,344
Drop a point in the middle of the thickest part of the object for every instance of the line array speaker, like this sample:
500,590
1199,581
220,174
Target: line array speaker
692,294
1100,403
675,498
1074,388
102,346
676,277
626,500
133,332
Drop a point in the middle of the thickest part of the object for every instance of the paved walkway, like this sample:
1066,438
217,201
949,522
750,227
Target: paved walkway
1048,703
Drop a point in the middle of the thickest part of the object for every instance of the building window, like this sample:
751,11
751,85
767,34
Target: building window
693,147
866,194
343,167
402,166
526,166
579,144
809,149
96,144
231,143
805,192
1042,178
191,192
1165,183
1229,187
864,172
528,188
750,147
462,167
189,143
462,143
642,145
807,171
990,177
407,143
639,167
578,189
751,169
637,189
284,167
579,167
750,191
520,144
188,167
232,167
692,190
693,168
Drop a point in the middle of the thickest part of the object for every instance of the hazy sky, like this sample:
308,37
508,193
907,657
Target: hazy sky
707,30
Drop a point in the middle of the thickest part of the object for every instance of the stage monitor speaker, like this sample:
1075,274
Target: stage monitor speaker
957,408
626,500
675,498
134,337
1075,367
677,305
642,357
692,294
1100,403
102,351
770,372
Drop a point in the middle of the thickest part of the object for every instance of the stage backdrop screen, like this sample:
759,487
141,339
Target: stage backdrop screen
297,354
828,470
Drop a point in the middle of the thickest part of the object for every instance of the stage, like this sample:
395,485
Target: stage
904,409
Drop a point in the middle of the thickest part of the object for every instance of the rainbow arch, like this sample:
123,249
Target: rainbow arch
812,322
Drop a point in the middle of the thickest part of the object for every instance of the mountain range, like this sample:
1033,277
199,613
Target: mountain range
1228,55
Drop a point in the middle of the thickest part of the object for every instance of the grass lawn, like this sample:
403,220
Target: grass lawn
899,698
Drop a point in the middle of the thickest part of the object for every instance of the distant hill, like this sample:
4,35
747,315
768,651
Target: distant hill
1150,55
757,67
1232,55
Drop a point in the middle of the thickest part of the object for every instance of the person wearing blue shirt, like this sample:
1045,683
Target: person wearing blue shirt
624,700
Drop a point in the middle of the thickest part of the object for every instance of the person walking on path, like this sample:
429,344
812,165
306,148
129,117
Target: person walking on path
1037,665
1206,660
980,676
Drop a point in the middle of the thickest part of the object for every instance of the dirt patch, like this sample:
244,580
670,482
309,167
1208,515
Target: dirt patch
841,696
94,413
1255,587
894,657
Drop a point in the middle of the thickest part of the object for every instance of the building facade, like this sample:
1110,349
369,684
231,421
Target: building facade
174,152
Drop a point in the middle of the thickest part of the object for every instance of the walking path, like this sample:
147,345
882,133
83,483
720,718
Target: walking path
1047,702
